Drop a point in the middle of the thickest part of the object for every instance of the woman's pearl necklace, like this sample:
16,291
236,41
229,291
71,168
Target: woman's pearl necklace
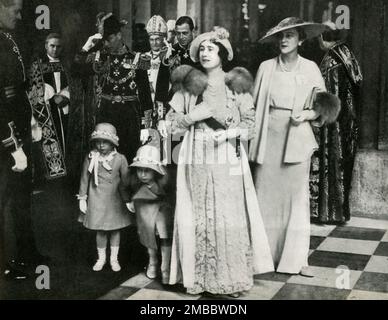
284,68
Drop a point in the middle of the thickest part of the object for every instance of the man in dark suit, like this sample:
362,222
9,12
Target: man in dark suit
184,32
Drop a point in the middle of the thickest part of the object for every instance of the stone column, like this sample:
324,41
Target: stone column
142,10
126,12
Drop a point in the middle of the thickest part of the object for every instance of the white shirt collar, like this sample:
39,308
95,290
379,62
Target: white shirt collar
51,59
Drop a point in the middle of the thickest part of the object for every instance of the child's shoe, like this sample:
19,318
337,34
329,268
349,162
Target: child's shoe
99,265
151,271
115,265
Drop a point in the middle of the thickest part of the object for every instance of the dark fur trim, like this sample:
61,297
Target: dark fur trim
178,75
239,80
188,79
195,82
328,106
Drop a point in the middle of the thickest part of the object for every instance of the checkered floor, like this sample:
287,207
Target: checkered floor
349,262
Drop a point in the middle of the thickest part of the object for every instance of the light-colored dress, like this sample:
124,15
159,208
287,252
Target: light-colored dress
283,186
219,238
105,191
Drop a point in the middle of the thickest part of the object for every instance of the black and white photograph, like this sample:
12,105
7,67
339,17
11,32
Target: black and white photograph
200,154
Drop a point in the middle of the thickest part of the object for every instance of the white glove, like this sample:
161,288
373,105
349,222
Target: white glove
221,136
162,128
144,135
83,206
91,42
200,112
130,206
20,160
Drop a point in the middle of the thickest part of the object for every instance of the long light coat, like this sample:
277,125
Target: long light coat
301,141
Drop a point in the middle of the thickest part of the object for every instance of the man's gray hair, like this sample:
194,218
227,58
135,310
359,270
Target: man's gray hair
52,36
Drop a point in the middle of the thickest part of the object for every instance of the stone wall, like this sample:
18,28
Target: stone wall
369,194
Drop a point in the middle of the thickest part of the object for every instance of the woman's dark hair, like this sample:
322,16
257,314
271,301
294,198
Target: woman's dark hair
302,34
222,53
185,19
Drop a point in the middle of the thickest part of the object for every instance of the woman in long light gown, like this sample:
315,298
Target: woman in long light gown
284,142
219,238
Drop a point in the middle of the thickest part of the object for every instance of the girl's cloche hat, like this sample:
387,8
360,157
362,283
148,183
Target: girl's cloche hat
105,131
148,156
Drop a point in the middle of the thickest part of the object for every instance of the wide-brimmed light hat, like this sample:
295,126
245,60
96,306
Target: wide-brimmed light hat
311,29
218,35
105,131
148,155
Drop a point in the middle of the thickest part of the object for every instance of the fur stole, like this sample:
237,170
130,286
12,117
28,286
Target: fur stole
194,81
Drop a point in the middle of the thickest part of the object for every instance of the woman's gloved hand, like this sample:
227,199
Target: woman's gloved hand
221,136
200,112
305,115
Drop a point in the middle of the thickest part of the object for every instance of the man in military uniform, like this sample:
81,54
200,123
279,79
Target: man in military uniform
184,32
15,143
122,90
159,73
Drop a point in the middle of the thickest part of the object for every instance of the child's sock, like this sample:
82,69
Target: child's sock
101,259
151,271
114,251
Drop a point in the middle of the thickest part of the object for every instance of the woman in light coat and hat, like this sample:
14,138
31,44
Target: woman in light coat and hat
289,98
219,239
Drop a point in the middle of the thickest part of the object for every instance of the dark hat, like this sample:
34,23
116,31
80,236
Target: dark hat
112,26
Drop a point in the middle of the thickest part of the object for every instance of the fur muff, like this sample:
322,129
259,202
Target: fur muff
239,80
328,106
189,79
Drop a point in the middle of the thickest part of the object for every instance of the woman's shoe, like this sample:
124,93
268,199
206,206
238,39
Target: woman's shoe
306,272
235,295
151,271
115,265
99,265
